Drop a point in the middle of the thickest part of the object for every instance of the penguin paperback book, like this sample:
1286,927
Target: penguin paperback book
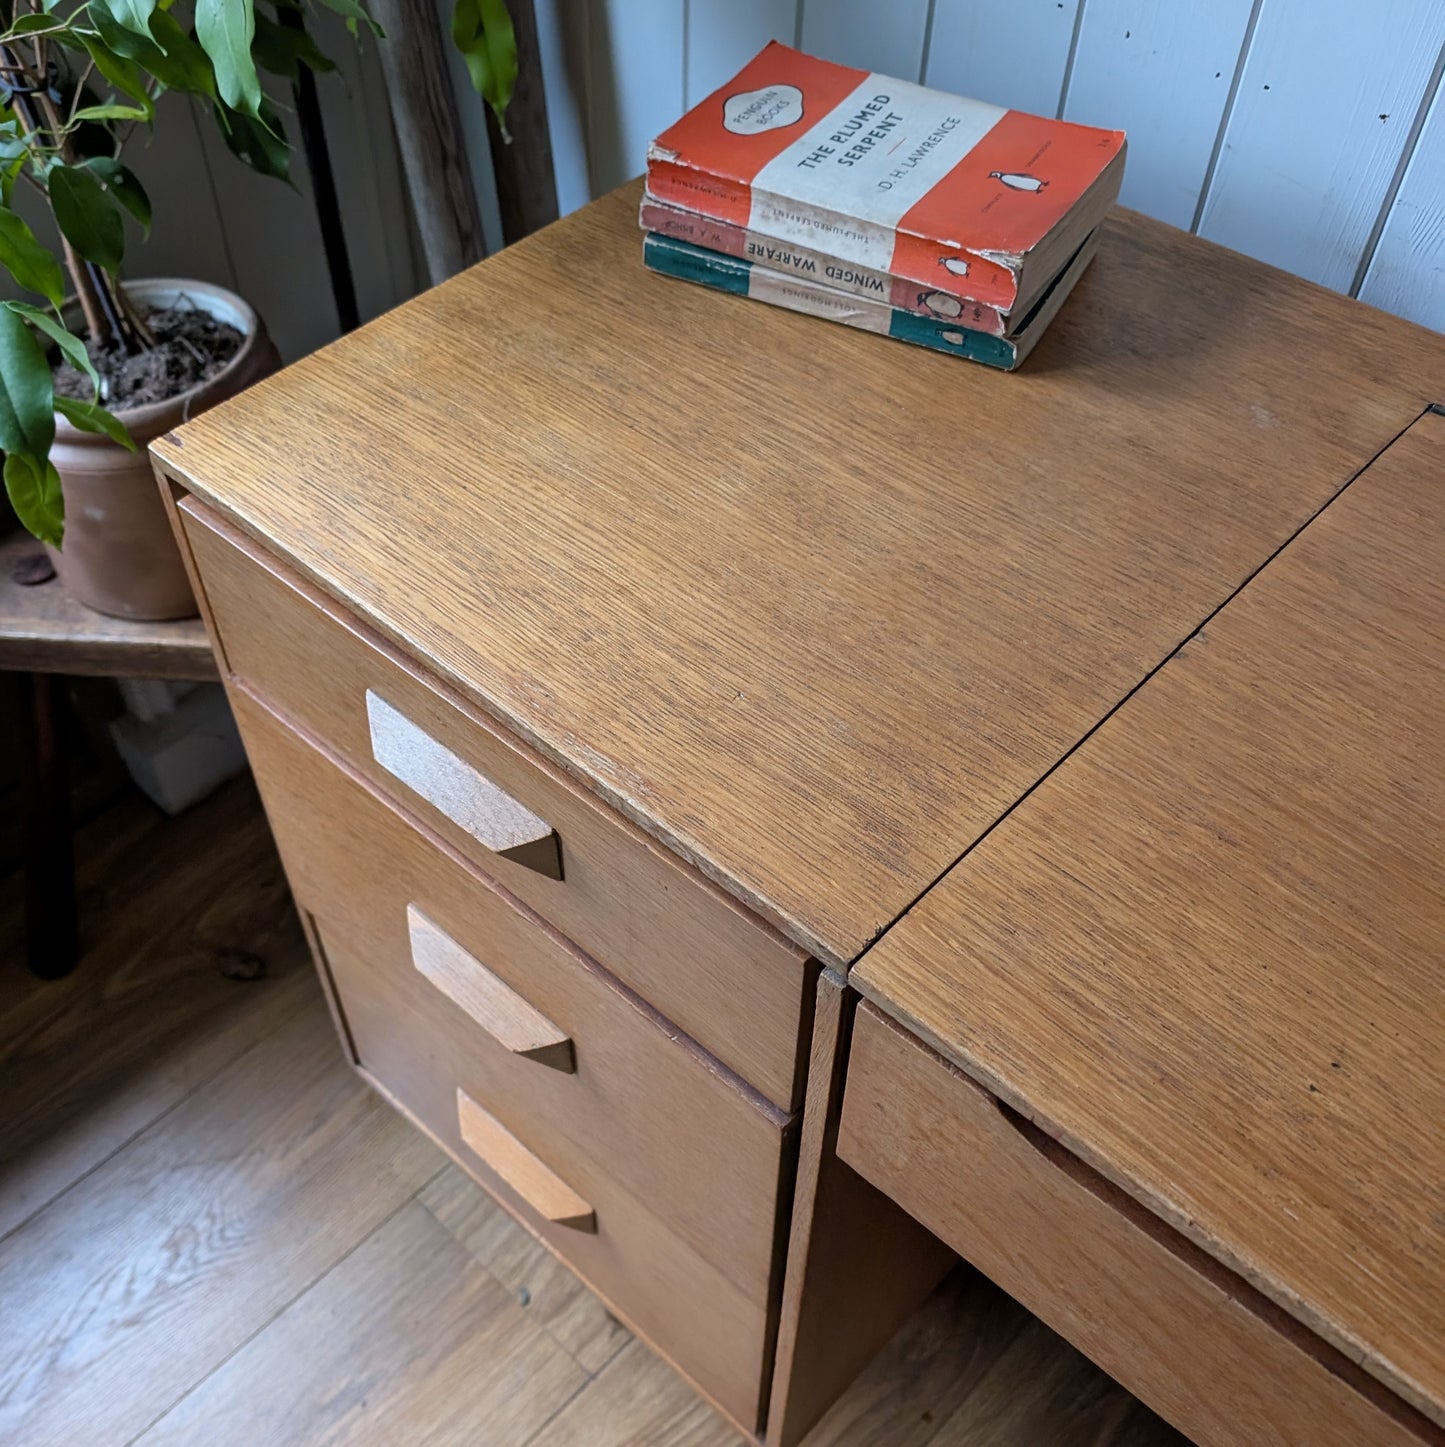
942,192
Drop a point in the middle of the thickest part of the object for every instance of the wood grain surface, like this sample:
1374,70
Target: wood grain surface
434,155
88,1062
811,608
400,1336
840,1304
1206,953
406,1340
543,1190
646,1110
1207,1351
508,1017
716,970
187,1224
44,630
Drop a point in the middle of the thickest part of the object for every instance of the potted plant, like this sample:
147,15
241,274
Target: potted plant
94,368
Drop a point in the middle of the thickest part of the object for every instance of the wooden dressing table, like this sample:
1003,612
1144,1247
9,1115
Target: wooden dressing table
623,666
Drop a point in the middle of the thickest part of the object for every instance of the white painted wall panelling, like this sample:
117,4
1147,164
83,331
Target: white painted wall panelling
564,80
1164,74
723,35
887,38
1011,55
1407,272
1328,96
1303,173
634,83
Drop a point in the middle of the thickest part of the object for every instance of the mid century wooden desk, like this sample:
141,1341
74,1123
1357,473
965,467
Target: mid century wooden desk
620,662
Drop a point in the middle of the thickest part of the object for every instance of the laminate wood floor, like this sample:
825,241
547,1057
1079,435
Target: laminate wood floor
212,1233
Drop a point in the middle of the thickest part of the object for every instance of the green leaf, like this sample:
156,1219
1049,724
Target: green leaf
482,31
90,417
27,393
125,75
113,111
30,25
87,216
122,183
34,489
22,255
355,12
185,65
260,143
283,50
226,29
71,347
131,15
167,52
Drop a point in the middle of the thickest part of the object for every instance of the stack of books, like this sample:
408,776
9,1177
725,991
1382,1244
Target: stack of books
929,218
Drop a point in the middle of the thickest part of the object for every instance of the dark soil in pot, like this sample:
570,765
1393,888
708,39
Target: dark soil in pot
191,348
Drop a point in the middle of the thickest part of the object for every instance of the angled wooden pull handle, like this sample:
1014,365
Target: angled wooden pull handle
511,1021
534,1181
451,785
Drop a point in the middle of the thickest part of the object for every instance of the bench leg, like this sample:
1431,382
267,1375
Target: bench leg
50,933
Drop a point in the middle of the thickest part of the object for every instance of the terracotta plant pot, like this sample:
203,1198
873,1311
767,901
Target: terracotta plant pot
119,556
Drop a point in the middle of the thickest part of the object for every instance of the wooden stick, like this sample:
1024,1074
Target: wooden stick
423,107
526,179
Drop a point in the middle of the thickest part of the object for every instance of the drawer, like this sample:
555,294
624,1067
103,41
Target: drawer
730,981
1184,1334
658,1283
445,984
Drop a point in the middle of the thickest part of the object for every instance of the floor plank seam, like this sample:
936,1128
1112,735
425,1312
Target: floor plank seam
586,1385
151,1124
278,1313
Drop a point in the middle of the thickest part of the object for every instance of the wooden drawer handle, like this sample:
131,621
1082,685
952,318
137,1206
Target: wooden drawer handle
536,1183
454,788
510,1020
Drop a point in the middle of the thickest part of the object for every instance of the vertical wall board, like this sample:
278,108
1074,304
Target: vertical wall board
1407,271
561,32
1163,73
1010,55
723,35
886,38
187,238
1327,98
634,83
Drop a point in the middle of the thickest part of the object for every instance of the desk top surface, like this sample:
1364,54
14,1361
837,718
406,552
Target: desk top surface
813,607
1208,952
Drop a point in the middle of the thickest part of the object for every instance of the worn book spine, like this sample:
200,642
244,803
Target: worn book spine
744,278
897,291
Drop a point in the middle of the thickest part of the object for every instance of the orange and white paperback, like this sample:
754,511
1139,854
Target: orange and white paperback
942,192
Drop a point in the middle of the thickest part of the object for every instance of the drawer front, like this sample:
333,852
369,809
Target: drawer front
728,980
1181,1332
445,985
615,1241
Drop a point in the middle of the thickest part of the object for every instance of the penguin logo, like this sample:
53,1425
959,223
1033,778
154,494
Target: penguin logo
940,304
751,112
956,264
1017,182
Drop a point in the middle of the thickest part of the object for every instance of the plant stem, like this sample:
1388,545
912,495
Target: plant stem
85,291
132,315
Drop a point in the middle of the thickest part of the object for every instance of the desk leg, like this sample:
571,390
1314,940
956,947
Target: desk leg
50,934
840,1303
